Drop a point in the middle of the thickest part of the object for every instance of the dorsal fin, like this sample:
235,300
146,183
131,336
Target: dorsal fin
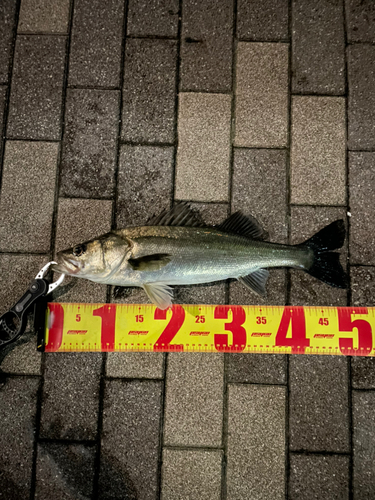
244,226
181,214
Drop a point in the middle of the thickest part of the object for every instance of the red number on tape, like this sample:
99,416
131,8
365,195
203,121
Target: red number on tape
235,326
108,315
164,341
55,330
363,327
297,341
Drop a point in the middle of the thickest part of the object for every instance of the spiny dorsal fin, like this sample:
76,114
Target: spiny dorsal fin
244,226
152,262
181,214
256,281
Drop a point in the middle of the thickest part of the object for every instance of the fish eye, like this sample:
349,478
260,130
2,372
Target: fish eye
79,250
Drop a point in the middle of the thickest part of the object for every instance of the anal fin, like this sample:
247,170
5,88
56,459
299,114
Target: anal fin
256,281
160,294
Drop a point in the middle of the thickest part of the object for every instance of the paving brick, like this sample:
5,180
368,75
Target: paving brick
262,94
200,294
260,20
306,290
256,442
79,221
71,396
95,51
363,372
44,16
362,200
36,92
360,20
363,444
17,414
64,471
3,96
256,368
361,101
153,18
130,440
149,91
8,24
363,286
318,403
318,47
194,399
145,178
203,153
23,359
266,201
89,148
206,46
317,476
191,474
318,150
27,196
135,364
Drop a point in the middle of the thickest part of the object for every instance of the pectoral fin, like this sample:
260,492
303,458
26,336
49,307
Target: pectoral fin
160,294
150,262
256,281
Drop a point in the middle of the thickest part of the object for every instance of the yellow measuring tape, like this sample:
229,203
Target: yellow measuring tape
209,328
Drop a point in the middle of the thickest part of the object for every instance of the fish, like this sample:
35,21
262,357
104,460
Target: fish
178,248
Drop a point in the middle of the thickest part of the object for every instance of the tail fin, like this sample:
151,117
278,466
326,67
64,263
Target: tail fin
326,265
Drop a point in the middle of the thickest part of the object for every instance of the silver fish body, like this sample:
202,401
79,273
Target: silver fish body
179,250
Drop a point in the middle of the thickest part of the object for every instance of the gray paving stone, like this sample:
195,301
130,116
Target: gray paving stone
363,372
78,221
361,101
144,186
17,415
256,442
266,201
130,440
318,403
36,93
64,471
27,196
23,359
206,46
260,20
318,476
363,286
360,19
203,153
3,96
193,414
149,91
256,368
318,150
71,396
262,94
363,445
362,199
44,16
191,474
306,290
211,213
135,364
8,24
89,148
96,44
318,47
153,18
200,294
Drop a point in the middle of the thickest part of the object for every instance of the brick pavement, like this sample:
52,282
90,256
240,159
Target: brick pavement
110,111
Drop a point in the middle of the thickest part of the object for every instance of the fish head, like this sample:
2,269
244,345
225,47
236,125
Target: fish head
94,259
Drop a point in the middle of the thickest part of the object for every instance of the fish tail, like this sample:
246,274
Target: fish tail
326,265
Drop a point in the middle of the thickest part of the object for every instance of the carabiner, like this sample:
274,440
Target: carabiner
13,323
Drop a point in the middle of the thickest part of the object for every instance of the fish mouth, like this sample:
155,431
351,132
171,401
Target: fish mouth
66,265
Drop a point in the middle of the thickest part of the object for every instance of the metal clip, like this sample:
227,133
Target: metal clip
13,323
